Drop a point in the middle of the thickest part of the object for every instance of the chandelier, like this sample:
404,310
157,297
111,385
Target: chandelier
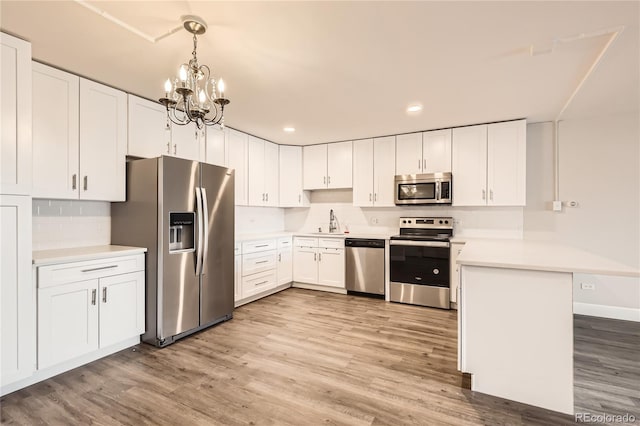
192,96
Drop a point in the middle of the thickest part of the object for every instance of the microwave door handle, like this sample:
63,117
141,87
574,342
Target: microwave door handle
205,232
200,231
438,191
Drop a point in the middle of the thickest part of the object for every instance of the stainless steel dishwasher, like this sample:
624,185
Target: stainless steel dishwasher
364,266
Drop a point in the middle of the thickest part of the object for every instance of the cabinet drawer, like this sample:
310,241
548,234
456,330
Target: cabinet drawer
64,273
257,283
331,242
258,262
305,242
285,242
237,249
256,246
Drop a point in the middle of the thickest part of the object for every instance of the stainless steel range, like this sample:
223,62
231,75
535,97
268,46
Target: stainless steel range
419,261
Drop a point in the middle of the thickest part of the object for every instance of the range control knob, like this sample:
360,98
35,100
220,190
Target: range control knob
440,222
446,222
404,221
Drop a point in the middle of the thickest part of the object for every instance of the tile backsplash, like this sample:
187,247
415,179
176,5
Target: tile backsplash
70,223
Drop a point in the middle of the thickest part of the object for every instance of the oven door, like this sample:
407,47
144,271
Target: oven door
419,262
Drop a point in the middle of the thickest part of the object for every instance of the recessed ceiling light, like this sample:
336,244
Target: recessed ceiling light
414,108
289,129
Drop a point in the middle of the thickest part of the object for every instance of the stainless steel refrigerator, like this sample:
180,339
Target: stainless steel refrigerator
182,211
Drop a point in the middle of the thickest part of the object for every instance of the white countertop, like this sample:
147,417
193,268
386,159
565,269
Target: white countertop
272,235
539,256
49,257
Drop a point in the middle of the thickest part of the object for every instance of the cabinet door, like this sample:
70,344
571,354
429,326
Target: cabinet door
185,141
409,154
15,112
436,151
121,307
148,133
237,147
67,322
363,191
271,174
103,142
314,166
215,146
456,248
331,267
256,171
339,165
290,177
384,151
285,266
237,281
55,133
17,291
305,265
469,166
506,163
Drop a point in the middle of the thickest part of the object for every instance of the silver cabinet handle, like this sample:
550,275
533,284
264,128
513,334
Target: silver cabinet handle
299,198
93,296
375,197
319,257
424,164
86,182
260,283
74,180
324,180
419,162
370,199
315,257
279,257
491,194
100,268
263,196
329,180
484,194
175,149
262,245
261,261
267,197
168,147
104,295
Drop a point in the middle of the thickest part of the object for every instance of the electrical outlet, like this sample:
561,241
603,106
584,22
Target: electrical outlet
587,286
374,220
557,206
571,204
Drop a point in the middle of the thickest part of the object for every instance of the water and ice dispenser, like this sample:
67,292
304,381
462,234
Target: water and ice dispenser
182,232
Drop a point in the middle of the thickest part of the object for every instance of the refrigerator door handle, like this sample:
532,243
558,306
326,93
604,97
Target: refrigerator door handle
205,216
200,230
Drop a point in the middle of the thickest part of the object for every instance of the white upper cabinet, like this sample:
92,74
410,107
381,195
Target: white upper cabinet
409,159
328,165
489,164
315,166
103,141
426,152
15,111
237,159
436,151
373,172
216,146
186,141
56,143
263,172
363,173
507,163
148,133
291,193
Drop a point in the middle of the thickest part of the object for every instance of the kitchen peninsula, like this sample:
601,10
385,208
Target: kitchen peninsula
516,318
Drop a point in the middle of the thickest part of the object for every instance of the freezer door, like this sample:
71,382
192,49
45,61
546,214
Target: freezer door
178,283
218,194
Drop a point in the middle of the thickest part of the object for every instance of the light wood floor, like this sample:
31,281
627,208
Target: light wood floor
304,357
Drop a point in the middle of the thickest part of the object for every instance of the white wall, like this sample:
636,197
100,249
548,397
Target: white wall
495,222
252,220
600,169
62,224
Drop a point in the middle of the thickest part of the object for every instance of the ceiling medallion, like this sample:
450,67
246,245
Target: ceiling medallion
194,95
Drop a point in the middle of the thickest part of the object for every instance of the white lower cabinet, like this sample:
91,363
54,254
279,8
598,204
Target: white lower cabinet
237,281
319,261
262,267
285,261
89,305
456,248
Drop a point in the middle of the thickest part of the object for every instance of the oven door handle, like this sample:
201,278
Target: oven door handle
419,243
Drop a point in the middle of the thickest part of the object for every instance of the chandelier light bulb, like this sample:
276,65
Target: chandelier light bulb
221,88
167,87
202,97
183,73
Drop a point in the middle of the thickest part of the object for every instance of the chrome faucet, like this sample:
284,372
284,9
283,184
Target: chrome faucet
333,222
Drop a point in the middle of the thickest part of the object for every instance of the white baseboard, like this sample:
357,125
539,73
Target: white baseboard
319,287
266,293
604,311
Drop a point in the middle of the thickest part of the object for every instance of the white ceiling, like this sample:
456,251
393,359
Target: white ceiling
348,70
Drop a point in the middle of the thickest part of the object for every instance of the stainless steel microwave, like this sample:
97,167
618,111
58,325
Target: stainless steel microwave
431,188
